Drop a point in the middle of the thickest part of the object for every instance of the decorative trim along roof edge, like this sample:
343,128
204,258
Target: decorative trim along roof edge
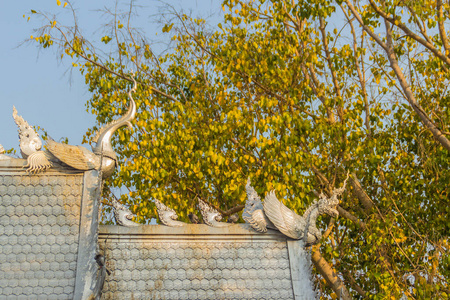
190,231
18,165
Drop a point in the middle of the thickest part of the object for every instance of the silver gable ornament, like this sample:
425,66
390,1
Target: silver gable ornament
167,215
210,215
123,216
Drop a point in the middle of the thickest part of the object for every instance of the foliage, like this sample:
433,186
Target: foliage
275,93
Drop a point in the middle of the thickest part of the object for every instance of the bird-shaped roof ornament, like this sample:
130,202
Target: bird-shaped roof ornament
167,215
302,227
102,157
210,215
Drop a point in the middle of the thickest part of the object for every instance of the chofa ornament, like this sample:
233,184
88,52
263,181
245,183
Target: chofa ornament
286,220
102,157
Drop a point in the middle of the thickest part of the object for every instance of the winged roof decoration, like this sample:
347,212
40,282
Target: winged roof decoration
254,211
30,145
302,227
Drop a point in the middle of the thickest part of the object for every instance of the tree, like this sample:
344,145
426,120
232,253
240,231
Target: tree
275,93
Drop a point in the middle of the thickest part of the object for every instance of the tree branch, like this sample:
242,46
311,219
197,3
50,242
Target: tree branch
442,31
361,75
348,215
330,66
315,86
365,27
353,283
438,135
329,274
360,193
233,210
408,32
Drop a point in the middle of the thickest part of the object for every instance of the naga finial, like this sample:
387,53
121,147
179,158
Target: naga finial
210,215
327,205
193,218
167,215
123,215
253,211
233,219
28,138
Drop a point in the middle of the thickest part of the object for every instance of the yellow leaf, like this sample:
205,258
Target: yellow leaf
65,4
58,2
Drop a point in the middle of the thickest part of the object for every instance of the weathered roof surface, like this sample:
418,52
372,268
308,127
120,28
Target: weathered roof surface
202,262
48,242
39,226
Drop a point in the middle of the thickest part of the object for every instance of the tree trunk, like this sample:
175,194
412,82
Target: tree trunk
328,273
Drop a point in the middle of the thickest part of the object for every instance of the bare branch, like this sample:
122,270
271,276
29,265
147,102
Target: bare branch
408,32
365,27
330,66
361,75
437,133
353,284
442,31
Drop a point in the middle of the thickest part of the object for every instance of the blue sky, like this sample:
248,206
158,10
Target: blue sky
41,86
